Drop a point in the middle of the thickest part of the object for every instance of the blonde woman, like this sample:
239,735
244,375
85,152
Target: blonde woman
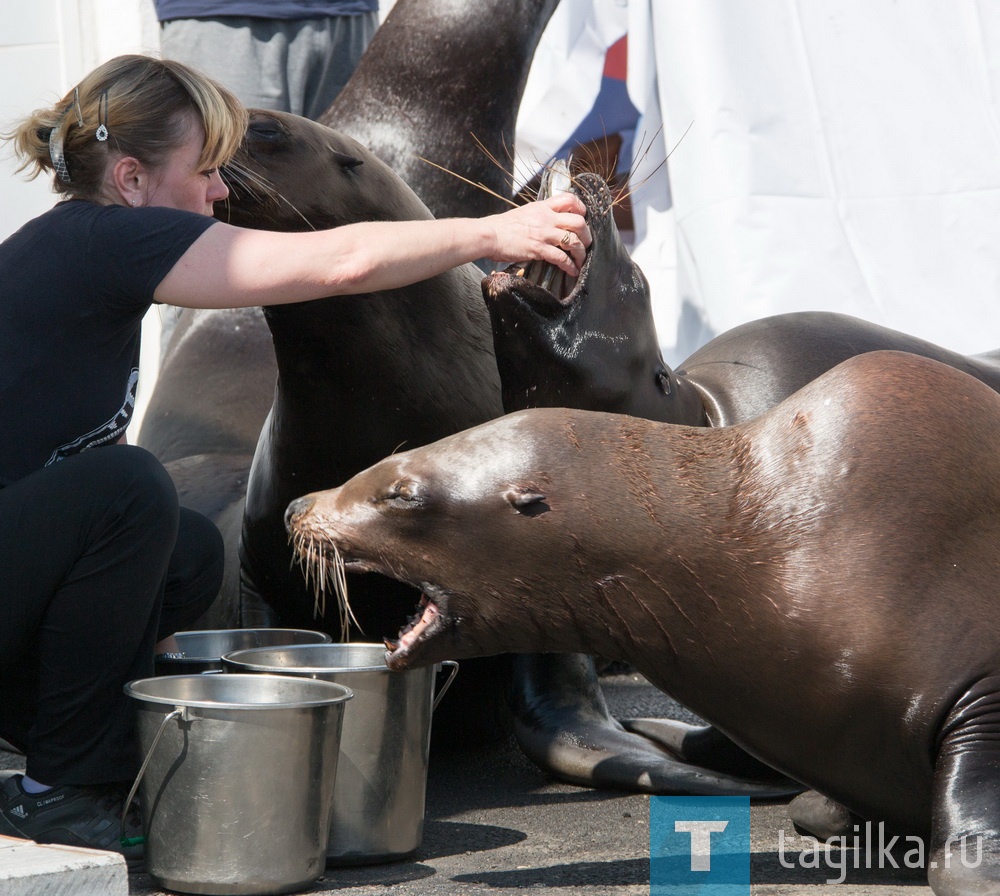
99,562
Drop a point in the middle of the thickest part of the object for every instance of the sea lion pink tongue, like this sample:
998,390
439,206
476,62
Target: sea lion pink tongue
846,541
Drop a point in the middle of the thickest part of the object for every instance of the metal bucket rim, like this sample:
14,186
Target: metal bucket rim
343,693
234,657
208,658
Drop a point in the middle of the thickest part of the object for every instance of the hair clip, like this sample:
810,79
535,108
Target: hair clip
102,117
57,138
56,154
76,107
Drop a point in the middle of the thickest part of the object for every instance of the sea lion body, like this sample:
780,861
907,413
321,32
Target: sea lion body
360,376
439,87
747,370
819,583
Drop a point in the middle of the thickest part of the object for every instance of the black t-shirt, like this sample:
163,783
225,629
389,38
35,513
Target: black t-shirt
75,284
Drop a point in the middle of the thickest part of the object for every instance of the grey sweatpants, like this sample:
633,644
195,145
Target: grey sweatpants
291,65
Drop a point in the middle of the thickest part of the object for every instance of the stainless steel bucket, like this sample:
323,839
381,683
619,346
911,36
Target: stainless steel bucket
237,782
378,805
203,650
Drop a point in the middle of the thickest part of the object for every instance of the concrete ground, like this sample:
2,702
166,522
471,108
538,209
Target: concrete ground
495,824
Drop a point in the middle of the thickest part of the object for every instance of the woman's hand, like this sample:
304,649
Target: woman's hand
553,230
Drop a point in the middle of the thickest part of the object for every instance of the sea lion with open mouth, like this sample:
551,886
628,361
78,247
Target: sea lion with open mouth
819,583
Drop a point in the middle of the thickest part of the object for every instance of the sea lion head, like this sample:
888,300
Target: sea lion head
294,174
557,338
473,523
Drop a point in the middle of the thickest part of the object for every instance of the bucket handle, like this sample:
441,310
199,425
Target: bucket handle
441,691
135,841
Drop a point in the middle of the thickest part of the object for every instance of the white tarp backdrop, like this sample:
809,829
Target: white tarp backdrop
840,156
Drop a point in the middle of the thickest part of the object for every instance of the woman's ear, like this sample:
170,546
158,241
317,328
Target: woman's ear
129,180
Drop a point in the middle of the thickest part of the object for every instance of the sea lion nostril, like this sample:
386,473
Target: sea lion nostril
294,510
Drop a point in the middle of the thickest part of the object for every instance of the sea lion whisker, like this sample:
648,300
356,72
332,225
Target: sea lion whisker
515,163
237,175
629,188
495,161
250,179
344,605
323,565
471,183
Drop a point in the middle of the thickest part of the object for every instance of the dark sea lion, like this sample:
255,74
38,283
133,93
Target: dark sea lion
741,373
587,343
204,415
358,376
819,582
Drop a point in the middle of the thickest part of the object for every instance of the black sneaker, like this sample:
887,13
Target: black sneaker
72,816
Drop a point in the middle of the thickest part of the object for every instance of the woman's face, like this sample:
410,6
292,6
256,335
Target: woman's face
180,183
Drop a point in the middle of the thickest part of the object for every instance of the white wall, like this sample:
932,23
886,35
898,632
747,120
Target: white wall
46,46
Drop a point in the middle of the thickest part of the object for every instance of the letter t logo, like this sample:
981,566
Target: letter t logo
699,845
701,840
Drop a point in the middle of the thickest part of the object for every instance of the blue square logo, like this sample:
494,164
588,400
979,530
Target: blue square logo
699,846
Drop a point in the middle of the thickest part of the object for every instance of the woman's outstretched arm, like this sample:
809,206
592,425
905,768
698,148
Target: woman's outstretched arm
229,267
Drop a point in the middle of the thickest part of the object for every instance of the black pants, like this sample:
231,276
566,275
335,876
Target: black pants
97,563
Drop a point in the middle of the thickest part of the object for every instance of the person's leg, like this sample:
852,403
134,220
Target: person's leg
294,66
194,574
322,56
84,548
247,55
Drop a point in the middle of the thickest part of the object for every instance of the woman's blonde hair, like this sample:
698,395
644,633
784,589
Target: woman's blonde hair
132,105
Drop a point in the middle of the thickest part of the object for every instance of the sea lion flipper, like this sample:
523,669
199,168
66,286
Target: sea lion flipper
705,746
562,723
964,853
821,817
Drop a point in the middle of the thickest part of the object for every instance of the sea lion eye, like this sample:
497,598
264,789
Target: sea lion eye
266,129
405,490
